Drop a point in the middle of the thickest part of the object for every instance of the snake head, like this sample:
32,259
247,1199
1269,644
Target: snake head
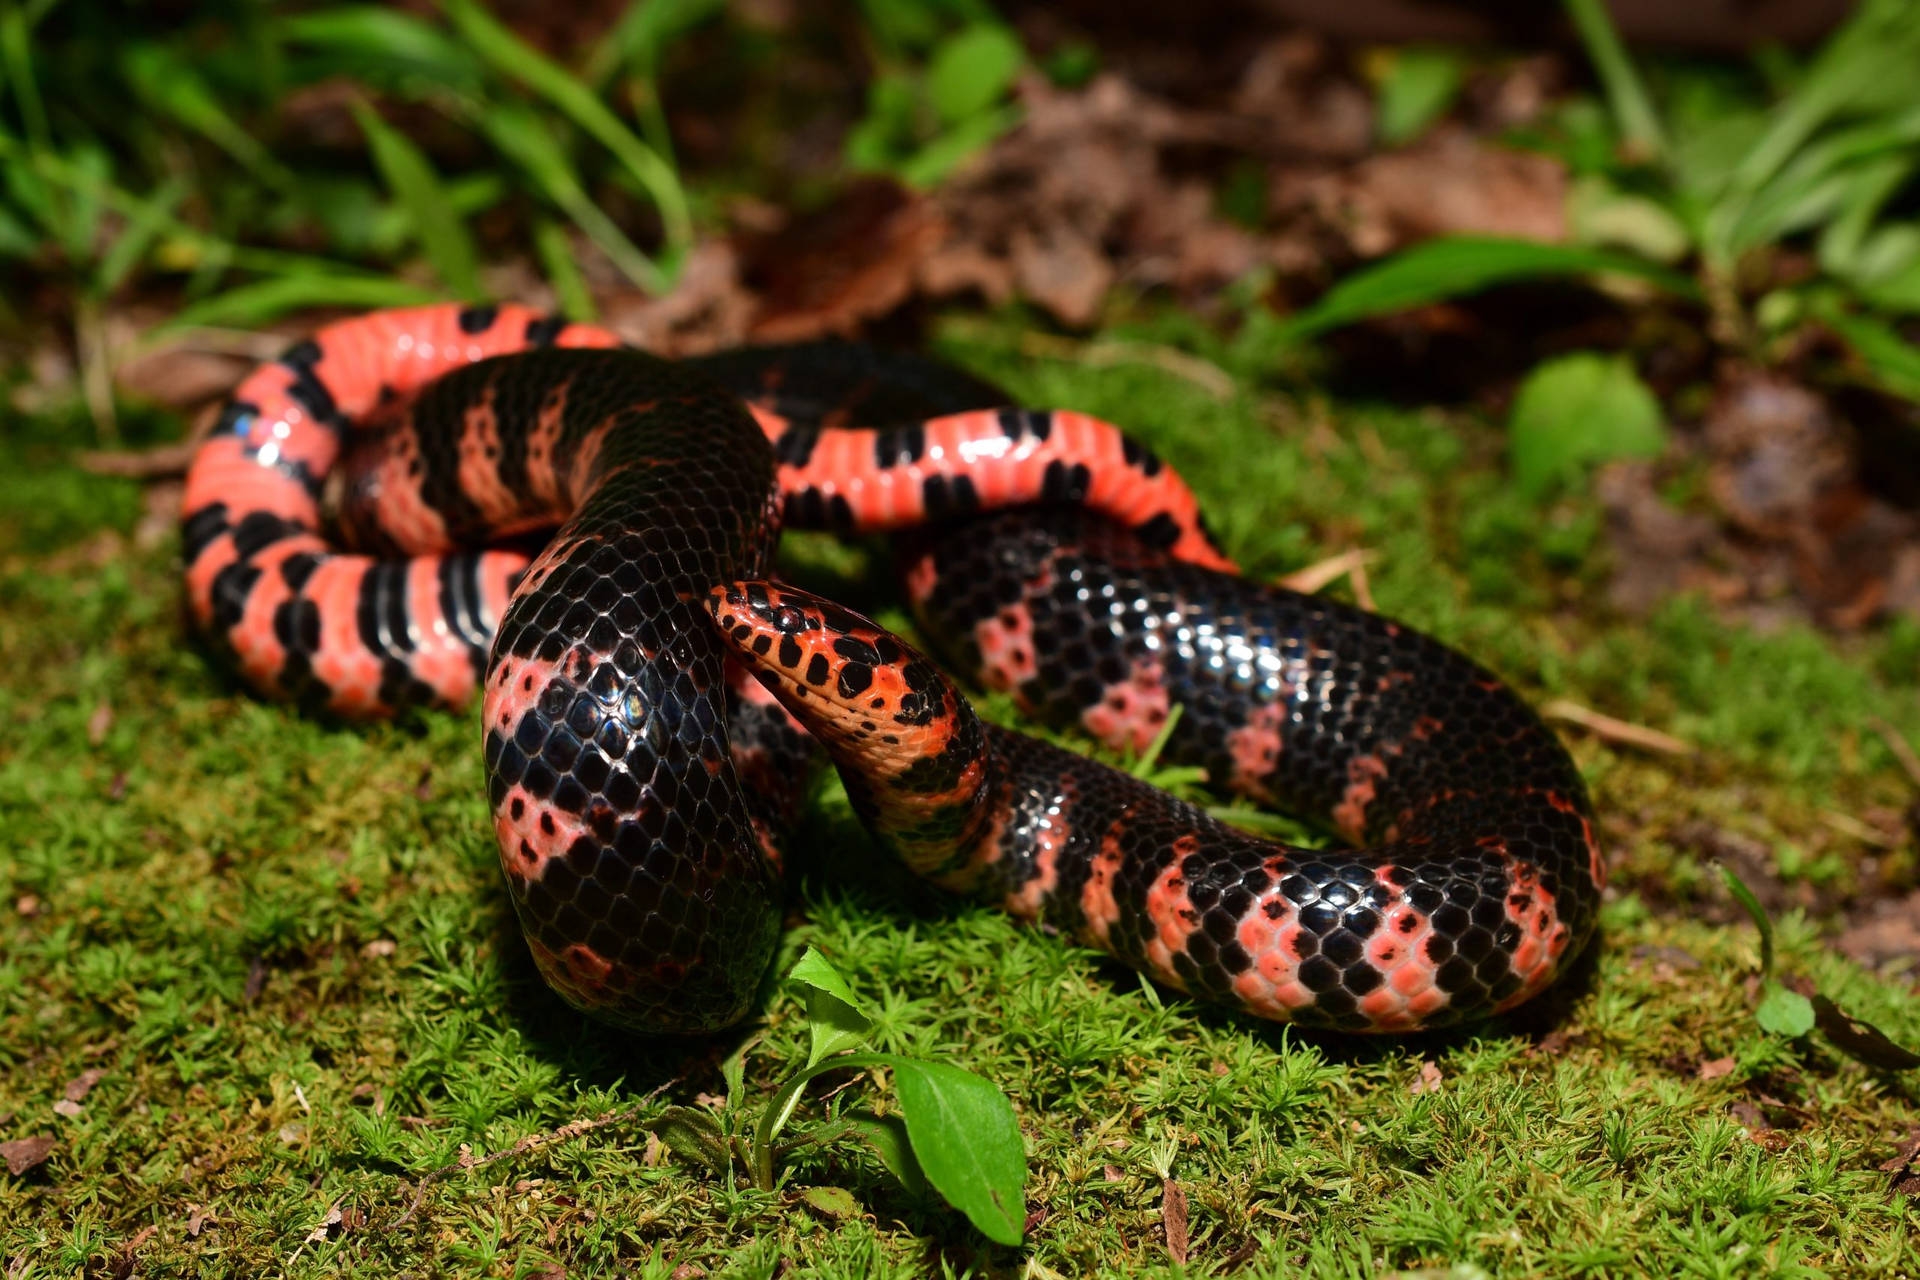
910,748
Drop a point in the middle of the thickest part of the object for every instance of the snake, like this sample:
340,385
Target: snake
431,505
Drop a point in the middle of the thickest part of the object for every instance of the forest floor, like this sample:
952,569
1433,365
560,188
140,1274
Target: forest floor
259,979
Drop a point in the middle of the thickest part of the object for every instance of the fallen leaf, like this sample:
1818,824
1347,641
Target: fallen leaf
27,905
81,1085
68,1108
1430,1079
1716,1068
23,1154
324,1230
99,723
1905,1156
1860,1040
824,274
1173,1218
256,981
1063,271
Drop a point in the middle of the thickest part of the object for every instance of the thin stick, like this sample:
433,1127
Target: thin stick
1608,729
1902,750
1351,564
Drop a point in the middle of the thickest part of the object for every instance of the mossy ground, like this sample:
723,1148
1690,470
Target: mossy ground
283,946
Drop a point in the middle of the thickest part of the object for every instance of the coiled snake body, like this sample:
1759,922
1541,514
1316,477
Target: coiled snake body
641,782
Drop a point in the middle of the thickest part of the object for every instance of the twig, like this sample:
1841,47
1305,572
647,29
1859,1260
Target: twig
161,463
1847,824
1608,729
1351,564
533,1142
1902,750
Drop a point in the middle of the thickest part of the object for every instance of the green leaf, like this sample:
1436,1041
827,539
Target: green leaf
837,1019
965,1136
557,264
139,235
1867,63
1602,214
173,86
835,1202
1745,897
576,101
408,173
1456,266
1899,290
1143,766
927,166
1845,175
524,138
1419,87
1892,361
1576,410
644,30
1632,109
1783,1012
253,305
971,70
372,39
695,1136
887,1135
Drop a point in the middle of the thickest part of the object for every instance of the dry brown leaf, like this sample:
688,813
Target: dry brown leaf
81,1085
1608,729
1173,1219
23,1154
1716,1068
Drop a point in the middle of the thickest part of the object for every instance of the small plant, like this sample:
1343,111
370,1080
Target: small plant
1716,189
1788,1011
938,95
955,1131
194,183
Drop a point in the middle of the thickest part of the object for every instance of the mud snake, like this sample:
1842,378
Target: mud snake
640,783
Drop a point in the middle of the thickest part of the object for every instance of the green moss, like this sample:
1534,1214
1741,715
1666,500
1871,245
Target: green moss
283,943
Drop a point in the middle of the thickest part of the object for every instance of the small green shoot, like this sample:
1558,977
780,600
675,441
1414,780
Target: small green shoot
955,1132
922,124
1460,265
1418,87
1577,410
1783,1011
1825,163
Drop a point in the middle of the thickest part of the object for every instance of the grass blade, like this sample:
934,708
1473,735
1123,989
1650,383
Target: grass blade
1626,94
370,39
1892,361
518,132
551,246
173,87
506,52
1869,60
138,236
1455,266
437,228
252,305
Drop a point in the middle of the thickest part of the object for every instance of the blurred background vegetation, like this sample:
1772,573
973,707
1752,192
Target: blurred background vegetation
1700,259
